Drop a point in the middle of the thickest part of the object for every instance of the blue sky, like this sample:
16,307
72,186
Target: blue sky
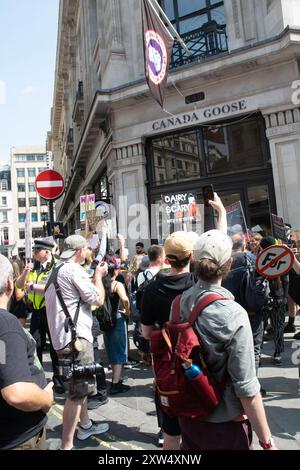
28,36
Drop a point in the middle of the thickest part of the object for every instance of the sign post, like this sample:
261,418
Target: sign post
49,184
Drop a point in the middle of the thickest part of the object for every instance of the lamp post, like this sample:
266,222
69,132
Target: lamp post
44,218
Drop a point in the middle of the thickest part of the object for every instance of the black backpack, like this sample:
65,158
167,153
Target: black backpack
254,289
105,315
141,289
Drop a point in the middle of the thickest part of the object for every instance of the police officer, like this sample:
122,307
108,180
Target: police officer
33,279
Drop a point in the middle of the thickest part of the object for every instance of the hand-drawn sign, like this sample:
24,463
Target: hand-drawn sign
275,261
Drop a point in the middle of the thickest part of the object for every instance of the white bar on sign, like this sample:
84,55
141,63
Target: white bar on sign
49,184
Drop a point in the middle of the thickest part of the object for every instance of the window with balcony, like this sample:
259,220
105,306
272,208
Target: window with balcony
20,172
202,26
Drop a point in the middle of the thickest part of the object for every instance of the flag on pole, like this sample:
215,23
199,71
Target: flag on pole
158,45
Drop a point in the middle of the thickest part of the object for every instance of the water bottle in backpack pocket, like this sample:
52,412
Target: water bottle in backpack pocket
183,383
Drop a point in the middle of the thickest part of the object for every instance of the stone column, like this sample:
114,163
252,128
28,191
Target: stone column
127,176
283,132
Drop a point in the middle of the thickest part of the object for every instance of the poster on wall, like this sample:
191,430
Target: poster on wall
236,222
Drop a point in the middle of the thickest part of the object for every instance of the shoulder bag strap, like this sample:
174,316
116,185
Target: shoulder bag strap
204,302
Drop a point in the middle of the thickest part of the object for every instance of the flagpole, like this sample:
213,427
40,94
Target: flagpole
177,36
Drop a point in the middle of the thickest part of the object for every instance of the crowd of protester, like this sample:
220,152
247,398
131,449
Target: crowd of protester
66,298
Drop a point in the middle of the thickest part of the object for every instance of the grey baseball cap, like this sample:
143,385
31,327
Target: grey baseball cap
72,244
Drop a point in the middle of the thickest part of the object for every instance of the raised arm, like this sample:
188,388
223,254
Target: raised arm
217,205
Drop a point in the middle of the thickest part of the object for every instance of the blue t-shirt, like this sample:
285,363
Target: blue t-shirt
18,363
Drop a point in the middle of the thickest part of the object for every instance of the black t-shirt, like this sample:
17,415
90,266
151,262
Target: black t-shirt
18,363
159,295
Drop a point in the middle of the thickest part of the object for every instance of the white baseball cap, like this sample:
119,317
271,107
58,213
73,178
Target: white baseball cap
215,246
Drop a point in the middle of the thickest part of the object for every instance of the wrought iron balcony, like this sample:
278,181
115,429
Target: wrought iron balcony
70,143
209,40
78,111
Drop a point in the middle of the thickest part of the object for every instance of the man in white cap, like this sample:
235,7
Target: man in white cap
78,292
179,247
226,337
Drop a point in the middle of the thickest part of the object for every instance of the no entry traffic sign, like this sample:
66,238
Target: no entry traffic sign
275,261
49,184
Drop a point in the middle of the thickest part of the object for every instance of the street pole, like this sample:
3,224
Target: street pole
51,212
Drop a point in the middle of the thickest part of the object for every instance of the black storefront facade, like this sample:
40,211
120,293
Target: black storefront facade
233,155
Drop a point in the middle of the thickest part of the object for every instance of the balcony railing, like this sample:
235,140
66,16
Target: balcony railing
209,40
70,143
78,111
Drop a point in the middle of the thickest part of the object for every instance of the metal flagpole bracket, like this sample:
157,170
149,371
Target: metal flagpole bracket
157,8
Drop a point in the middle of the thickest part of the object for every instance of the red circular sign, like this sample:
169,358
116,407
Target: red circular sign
274,261
49,184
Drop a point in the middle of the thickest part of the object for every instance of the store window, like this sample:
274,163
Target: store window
101,188
259,207
175,158
232,147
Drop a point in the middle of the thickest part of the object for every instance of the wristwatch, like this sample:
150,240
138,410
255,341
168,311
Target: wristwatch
267,445
31,287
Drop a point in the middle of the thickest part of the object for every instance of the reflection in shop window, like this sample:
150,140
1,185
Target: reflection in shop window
236,146
177,156
259,207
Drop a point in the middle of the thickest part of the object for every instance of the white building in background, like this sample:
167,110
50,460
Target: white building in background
235,116
7,240
26,163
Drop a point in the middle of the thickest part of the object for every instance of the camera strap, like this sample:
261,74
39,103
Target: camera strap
69,323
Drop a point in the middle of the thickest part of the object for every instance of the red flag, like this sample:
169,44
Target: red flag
158,45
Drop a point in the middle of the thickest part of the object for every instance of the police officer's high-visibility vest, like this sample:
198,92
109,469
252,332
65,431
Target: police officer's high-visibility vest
39,276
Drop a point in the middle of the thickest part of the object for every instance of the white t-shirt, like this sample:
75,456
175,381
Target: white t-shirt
148,273
74,283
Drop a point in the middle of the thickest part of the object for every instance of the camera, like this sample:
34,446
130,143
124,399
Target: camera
69,369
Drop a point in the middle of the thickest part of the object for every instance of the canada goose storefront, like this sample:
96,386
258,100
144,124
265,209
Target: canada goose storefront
231,155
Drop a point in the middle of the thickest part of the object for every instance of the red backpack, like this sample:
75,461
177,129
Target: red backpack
177,344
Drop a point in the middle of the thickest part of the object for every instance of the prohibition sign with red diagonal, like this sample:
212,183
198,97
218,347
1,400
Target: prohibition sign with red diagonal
274,261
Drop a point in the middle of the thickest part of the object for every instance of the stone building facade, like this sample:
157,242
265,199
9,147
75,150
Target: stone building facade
232,114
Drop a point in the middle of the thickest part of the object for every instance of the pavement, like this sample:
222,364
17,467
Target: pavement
132,417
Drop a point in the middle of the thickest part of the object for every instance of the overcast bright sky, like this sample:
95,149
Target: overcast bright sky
28,36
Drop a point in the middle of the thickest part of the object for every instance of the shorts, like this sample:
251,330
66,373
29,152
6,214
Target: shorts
115,341
78,387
